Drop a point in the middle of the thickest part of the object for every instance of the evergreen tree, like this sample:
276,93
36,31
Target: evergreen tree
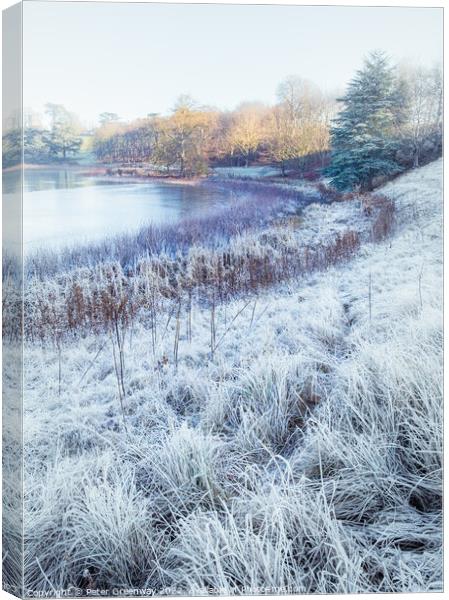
363,141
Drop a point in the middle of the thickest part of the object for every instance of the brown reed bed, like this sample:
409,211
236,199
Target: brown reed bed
108,295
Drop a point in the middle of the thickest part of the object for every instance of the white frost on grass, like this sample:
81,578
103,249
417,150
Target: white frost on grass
268,172
305,454
247,172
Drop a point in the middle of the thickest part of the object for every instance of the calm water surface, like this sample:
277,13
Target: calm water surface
65,207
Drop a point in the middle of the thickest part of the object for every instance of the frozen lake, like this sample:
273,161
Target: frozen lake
64,207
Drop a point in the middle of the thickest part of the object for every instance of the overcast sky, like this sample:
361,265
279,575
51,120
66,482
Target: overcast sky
134,59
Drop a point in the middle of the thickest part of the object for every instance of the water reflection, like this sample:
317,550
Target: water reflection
63,207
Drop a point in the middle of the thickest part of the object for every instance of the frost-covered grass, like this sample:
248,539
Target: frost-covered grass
255,172
303,454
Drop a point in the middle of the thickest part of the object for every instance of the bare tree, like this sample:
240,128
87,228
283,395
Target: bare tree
300,122
419,116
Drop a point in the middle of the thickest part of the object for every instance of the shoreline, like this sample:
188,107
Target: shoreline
105,172
110,173
152,179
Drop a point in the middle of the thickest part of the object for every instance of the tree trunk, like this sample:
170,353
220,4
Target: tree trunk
415,157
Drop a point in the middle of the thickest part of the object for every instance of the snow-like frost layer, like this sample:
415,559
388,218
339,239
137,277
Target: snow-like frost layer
247,172
304,455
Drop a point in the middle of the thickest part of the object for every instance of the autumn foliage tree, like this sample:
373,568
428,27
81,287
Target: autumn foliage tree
182,138
246,132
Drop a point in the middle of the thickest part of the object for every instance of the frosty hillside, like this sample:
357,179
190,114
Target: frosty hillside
222,294
304,455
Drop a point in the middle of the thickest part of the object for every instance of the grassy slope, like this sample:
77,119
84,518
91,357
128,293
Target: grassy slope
306,455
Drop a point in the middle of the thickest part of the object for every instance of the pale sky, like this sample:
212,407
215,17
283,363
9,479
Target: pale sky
135,59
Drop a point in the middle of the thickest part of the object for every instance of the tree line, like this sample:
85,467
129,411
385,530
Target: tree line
194,137
390,118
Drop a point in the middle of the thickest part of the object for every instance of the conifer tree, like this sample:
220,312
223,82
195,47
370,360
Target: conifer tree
363,140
